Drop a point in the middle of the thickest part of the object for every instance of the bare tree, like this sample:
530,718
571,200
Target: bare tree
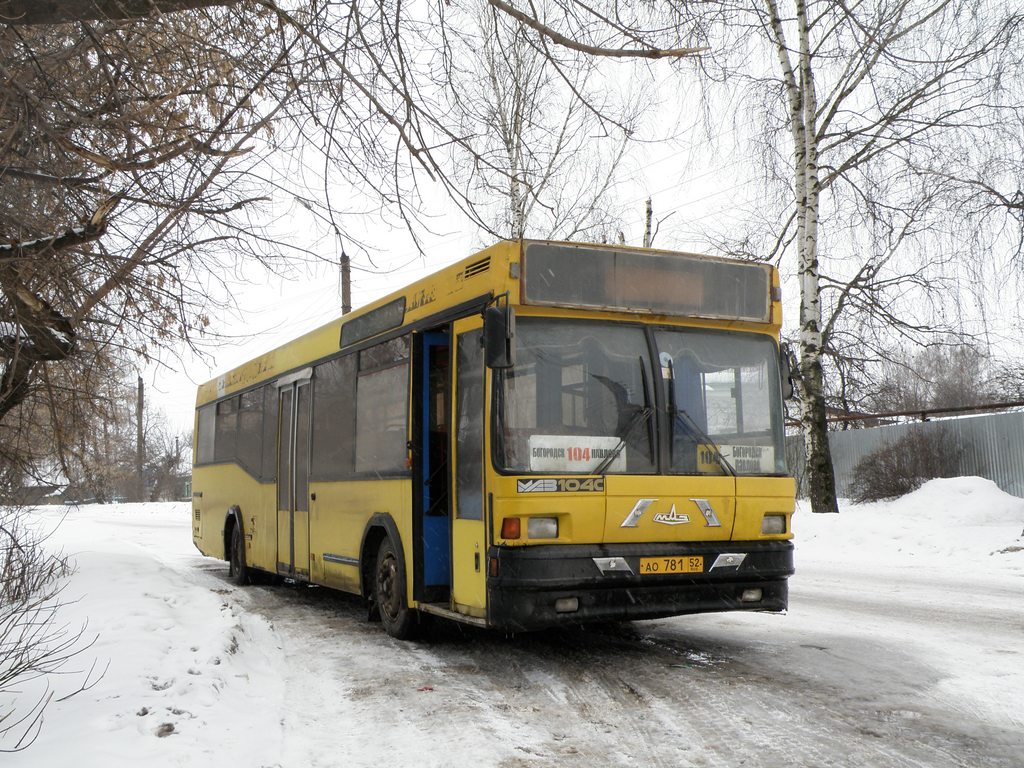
541,145
70,407
32,12
168,458
129,158
97,446
1007,378
385,100
80,431
859,106
128,163
950,374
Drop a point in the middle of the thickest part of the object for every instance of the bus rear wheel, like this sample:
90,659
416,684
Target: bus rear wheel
237,569
398,618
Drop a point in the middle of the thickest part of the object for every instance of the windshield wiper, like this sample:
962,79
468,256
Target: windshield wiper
684,419
642,415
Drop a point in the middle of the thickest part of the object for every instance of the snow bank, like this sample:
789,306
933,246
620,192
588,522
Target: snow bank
964,518
186,671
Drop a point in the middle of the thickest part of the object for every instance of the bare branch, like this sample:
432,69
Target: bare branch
33,12
591,50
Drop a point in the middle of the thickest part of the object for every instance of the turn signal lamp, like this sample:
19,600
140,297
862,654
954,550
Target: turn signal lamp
510,528
773,524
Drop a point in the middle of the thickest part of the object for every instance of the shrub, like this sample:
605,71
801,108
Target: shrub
34,643
903,466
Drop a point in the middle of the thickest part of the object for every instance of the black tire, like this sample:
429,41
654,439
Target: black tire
237,569
389,593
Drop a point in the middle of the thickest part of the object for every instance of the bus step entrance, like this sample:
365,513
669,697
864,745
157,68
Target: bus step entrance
442,610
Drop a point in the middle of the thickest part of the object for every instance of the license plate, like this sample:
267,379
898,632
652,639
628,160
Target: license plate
659,566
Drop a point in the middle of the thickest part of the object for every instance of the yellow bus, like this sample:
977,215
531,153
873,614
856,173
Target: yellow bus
542,434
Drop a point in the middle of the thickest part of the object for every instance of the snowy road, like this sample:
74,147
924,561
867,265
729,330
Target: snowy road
889,656
853,682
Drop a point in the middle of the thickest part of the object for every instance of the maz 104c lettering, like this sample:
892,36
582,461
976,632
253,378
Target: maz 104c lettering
561,485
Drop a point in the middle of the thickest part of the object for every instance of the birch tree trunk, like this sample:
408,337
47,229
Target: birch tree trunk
799,80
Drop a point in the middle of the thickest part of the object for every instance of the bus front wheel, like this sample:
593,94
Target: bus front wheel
237,568
389,593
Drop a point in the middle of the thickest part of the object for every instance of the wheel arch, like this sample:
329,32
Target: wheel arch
378,527
232,518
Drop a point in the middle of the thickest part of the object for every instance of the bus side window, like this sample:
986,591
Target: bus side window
382,404
469,427
334,419
268,463
225,442
248,447
231,431
205,434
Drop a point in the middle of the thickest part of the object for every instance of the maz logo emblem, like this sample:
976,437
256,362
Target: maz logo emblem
672,517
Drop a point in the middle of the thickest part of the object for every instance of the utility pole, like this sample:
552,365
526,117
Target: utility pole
346,277
648,219
343,261
140,443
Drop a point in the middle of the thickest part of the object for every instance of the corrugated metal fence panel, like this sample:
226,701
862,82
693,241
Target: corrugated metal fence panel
991,446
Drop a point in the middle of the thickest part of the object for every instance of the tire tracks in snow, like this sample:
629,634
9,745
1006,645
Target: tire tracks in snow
707,691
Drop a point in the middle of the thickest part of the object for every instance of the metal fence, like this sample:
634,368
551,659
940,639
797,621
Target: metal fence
990,446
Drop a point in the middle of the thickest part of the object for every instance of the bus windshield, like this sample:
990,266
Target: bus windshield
581,398
723,398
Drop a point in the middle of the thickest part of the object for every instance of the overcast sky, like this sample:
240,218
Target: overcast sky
687,191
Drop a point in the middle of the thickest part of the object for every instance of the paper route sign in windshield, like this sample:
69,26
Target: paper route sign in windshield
574,453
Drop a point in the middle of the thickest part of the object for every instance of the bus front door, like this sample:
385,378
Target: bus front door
469,537
293,444
433,504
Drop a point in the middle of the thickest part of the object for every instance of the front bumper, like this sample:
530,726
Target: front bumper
531,580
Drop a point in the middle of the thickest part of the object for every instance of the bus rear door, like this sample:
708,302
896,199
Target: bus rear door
293,446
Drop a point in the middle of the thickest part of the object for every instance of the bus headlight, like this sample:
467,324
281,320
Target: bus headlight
773,524
542,528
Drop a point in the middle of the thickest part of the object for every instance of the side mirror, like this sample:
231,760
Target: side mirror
499,337
787,365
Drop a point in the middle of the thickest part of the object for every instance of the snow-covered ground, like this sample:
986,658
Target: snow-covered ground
903,646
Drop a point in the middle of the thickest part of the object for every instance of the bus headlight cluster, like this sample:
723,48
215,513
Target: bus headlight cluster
536,528
773,524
